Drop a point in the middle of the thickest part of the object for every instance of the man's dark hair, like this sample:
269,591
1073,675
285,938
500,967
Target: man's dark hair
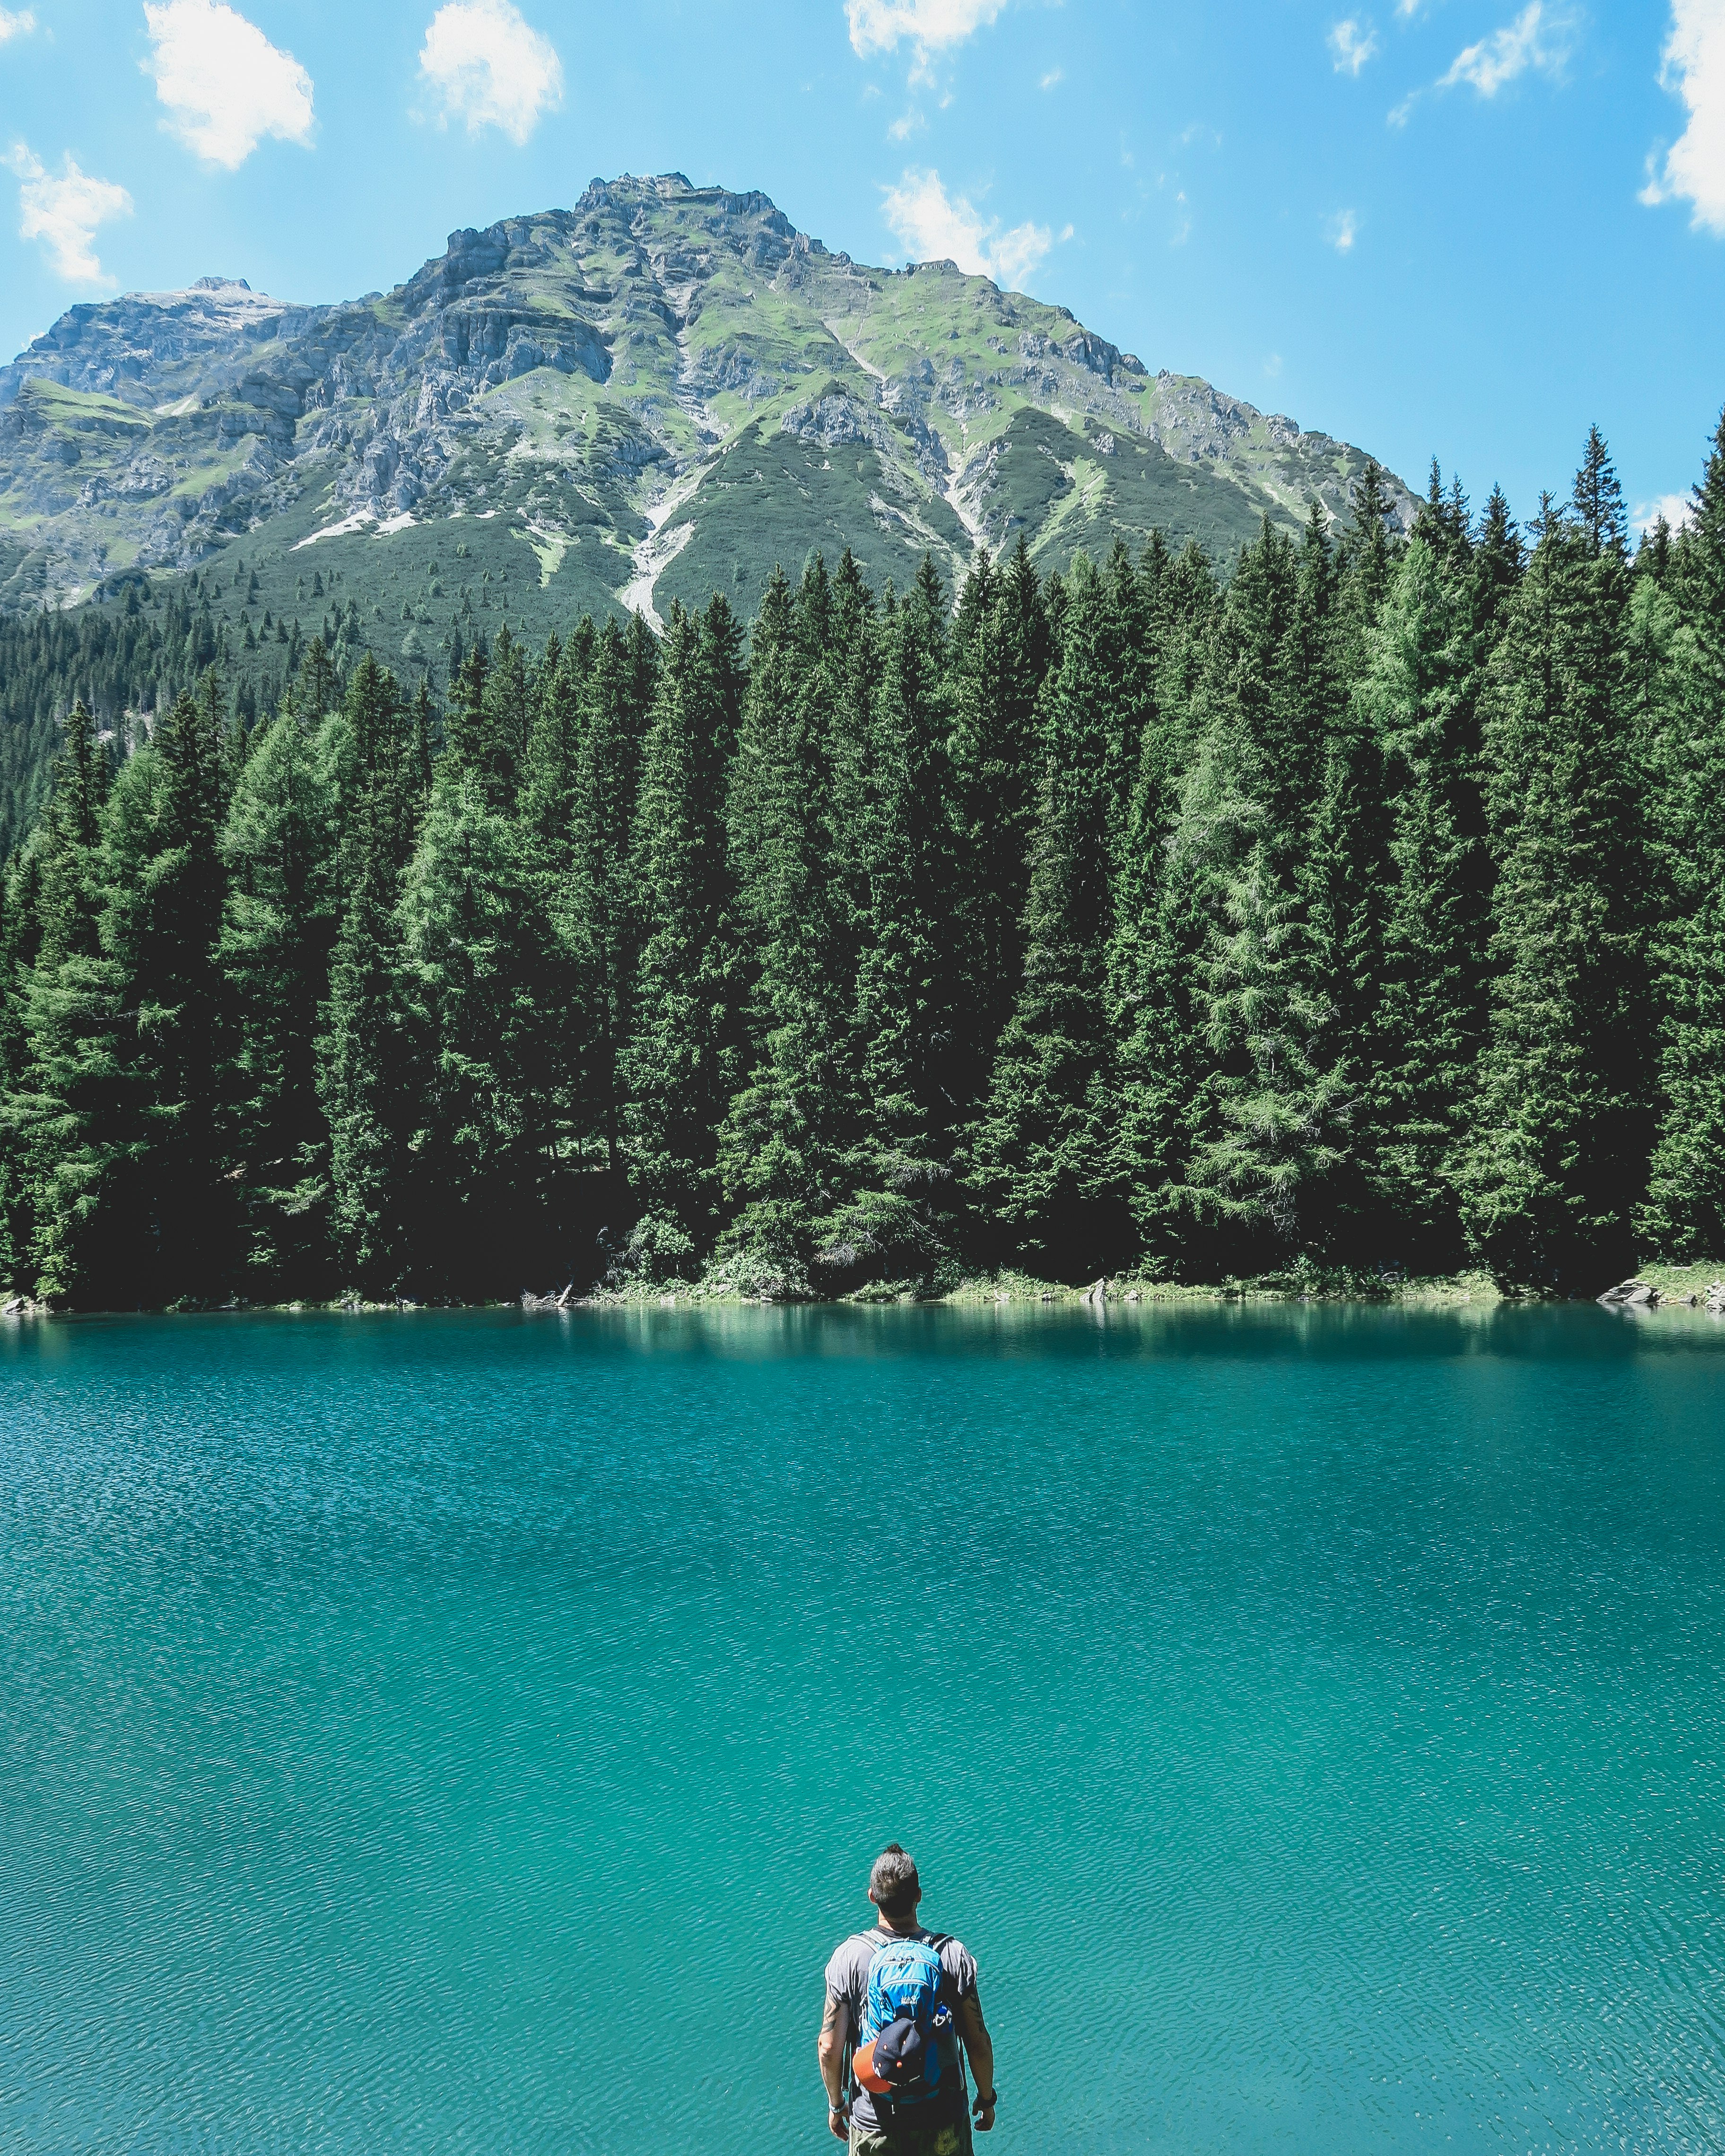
893,1884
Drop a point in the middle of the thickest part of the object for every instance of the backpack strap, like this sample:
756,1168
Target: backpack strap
853,2087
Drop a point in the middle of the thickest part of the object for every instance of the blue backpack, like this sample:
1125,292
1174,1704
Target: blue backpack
906,1982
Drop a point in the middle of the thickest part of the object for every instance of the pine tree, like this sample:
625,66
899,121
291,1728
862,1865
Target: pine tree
904,989
1161,930
315,689
279,847
1342,887
1041,1154
74,1111
1419,697
128,1043
1152,992
1369,548
1281,1102
853,662
786,1127
372,1082
504,722
477,966
1003,652
165,935
676,1069
1499,563
1266,1129
1559,1157
367,757
54,963
906,986
1684,1215
467,744
553,761
18,937
602,918
1137,597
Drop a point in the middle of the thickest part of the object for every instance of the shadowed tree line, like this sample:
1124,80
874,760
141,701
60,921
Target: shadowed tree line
1367,910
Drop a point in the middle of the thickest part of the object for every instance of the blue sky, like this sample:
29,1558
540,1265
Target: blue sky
1460,228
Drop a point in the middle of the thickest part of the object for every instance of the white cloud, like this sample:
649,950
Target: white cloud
64,213
1344,230
934,226
1054,78
1533,40
19,25
491,68
1352,45
1677,509
224,85
879,26
1694,69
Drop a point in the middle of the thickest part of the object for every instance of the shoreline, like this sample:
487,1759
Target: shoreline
1671,1286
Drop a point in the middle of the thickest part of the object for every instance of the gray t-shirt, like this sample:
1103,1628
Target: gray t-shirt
848,1981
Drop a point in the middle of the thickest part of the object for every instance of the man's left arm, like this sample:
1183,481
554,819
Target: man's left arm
834,2029
979,2050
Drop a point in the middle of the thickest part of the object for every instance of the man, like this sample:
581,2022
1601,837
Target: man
940,2127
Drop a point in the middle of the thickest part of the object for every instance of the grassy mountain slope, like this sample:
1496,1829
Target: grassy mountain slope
661,391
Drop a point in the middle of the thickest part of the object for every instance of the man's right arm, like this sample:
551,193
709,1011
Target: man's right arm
979,2049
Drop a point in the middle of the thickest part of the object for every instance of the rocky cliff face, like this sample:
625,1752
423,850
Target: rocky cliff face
662,390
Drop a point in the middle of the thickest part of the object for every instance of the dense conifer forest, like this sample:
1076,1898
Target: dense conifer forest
1366,911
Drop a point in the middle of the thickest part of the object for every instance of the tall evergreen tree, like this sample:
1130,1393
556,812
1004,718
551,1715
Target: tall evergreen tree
603,912
907,991
1264,1132
1369,547
1002,655
1153,990
1281,1100
553,761
1684,1215
477,965
785,1133
1559,1153
279,845
372,1082
53,972
1419,697
1041,1153
128,1042
906,988
678,1068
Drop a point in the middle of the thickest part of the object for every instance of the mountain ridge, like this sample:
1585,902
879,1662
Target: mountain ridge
659,391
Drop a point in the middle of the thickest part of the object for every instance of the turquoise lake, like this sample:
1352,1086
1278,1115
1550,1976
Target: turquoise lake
471,1733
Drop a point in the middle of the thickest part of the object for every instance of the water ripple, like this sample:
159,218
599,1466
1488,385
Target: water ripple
459,1733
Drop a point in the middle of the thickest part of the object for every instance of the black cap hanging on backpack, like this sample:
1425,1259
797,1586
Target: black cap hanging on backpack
898,2058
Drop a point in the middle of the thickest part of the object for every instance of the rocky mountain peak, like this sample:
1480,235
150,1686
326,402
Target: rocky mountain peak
659,385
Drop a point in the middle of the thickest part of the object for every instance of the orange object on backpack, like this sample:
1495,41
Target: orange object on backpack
862,2065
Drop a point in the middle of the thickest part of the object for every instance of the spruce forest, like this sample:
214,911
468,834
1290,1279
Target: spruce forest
1364,910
